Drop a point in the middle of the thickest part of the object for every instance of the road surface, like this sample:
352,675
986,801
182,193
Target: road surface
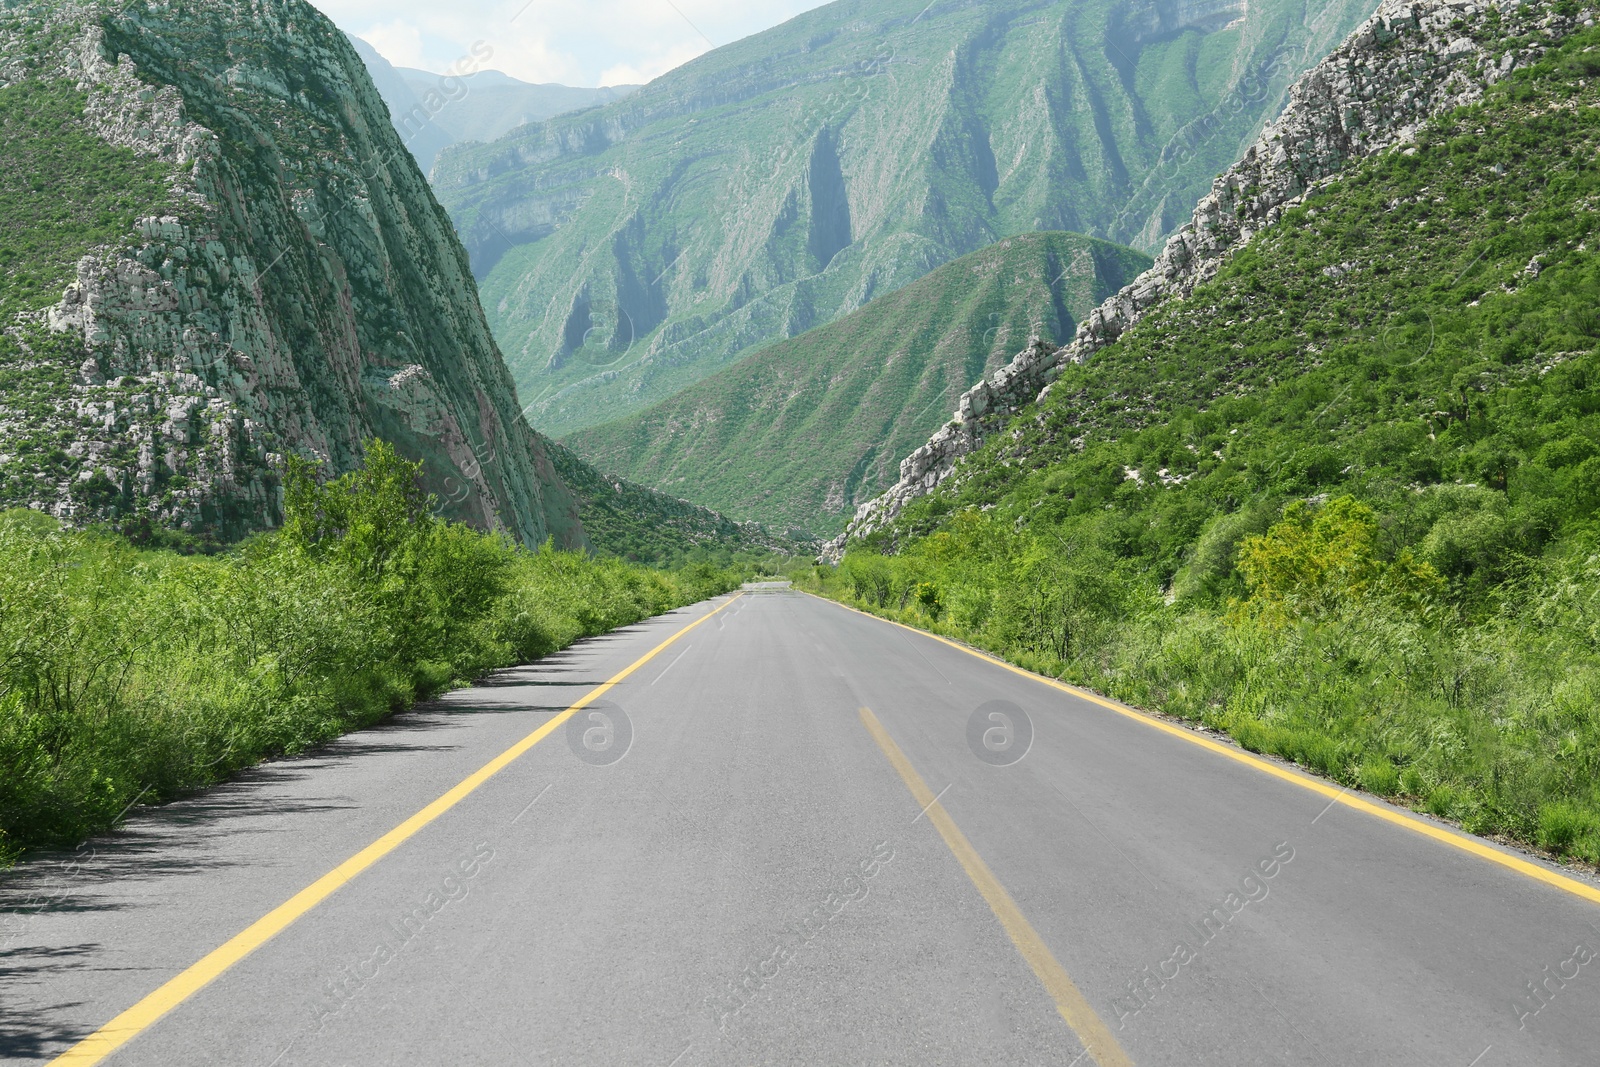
792,835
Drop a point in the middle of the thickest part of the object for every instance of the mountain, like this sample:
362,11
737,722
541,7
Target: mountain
215,254
218,254
781,182
493,103
432,111
1375,92
802,431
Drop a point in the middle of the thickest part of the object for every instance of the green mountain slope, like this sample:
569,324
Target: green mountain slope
1342,500
802,431
783,181
640,524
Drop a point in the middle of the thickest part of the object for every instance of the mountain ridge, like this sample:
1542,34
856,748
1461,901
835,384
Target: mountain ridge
470,102
783,181
797,433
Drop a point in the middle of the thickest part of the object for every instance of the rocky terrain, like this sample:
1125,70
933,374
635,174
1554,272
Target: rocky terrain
1408,62
296,290
784,181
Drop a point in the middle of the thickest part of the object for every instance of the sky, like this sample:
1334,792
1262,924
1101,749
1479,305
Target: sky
574,42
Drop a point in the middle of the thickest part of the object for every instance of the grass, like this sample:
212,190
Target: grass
62,191
1342,501
134,674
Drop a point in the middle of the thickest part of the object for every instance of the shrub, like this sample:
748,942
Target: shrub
1564,825
1321,561
130,674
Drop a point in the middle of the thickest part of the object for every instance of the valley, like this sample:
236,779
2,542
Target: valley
784,181
799,434
1053,531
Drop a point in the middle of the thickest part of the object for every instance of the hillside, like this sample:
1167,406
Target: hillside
641,525
798,434
781,182
1340,499
1373,93
240,283
432,111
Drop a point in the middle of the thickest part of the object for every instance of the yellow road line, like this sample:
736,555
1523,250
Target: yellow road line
131,1023
1334,793
1092,1031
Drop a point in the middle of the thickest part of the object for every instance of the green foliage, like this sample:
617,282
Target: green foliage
645,526
130,673
429,582
62,191
1325,560
1344,497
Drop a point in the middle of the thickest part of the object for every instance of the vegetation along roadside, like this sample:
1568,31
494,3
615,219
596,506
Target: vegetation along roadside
131,674
1339,503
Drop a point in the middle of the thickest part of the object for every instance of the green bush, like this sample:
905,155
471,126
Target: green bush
129,674
1566,827
1380,776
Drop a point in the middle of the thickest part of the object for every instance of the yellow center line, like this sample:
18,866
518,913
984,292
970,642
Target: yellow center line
1097,1039
1333,793
131,1023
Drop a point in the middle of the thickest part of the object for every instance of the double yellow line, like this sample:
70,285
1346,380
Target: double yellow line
139,1018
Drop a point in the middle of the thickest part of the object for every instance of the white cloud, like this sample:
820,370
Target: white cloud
576,42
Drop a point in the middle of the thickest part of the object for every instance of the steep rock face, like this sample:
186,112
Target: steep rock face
297,289
1409,61
783,181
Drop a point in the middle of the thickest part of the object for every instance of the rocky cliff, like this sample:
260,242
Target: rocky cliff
280,279
1408,62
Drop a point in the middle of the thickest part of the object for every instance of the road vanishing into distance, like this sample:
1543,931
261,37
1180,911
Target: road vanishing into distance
770,830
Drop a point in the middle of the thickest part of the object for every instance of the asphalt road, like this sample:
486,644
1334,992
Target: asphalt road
725,860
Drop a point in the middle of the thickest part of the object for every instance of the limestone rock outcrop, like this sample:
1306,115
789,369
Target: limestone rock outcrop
298,291
1408,62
